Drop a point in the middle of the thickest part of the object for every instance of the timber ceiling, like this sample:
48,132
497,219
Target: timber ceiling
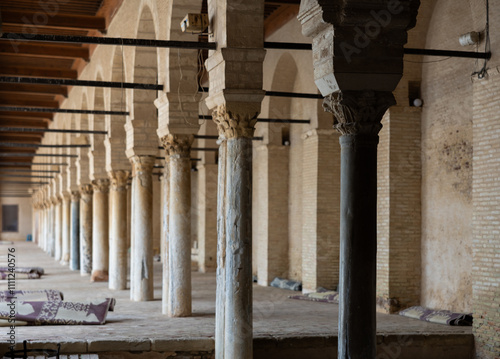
59,60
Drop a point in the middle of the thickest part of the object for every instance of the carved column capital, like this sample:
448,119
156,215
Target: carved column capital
119,179
179,145
66,196
86,190
142,165
55,200
101,185
75,195
232,125
358,112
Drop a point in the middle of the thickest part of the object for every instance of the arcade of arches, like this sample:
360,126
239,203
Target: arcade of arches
414,219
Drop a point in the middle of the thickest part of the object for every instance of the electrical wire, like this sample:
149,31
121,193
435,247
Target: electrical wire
481,74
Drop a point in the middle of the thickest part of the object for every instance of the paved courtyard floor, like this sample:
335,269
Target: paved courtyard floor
140,326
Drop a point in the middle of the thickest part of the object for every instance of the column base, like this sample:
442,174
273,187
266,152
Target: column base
99,276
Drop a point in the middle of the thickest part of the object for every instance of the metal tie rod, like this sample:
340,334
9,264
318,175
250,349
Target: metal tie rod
86,83
206,117
61,110
3,170
25,129
28,154
24,176
22,182
406,50
32,145
281,94
111,41
31,164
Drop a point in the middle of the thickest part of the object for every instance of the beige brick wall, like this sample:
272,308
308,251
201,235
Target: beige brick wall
207,217
447,164
270,219
486,218
398,218
320,206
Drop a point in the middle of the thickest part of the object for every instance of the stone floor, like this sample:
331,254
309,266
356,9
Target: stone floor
280,324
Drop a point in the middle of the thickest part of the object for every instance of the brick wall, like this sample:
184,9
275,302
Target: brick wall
486,218
321,210
447,163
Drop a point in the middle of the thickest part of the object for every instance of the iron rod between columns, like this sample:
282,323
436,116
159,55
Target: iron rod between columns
62,110
273,120
26,129
85,83
31,164
32,145
27,154
195,45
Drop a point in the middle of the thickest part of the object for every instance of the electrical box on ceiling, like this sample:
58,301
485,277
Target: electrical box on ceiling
194,23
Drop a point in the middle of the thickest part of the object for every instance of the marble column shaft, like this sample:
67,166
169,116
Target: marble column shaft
58,229
237,131
86,229
66,228
118,246
74,255
165,237
141,271
100,230
358,117
179,224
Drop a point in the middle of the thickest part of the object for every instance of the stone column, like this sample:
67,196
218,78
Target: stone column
118,246
66,228
165,237
141,271
74,256
86,229
58,229
51,224
179,224
100,231
359,116
220,300
237,196
358,62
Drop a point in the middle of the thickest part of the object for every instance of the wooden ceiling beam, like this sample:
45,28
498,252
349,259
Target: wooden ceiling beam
108,10
20,115
59,21
20,122
45,50
38,72
27,101
26,89
279,18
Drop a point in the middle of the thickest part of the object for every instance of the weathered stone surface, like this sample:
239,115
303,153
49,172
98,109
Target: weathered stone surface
141,275
100,231
118,247
86,192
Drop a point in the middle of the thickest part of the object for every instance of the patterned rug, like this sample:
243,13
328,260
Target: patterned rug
321,296
57,312
438,316
22,272
31,295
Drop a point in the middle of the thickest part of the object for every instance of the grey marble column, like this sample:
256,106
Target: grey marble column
74,255
118,246
66,227
86,229
141,271
358,115
100,230
179,224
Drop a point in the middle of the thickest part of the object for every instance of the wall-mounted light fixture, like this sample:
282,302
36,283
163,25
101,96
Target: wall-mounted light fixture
470,38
